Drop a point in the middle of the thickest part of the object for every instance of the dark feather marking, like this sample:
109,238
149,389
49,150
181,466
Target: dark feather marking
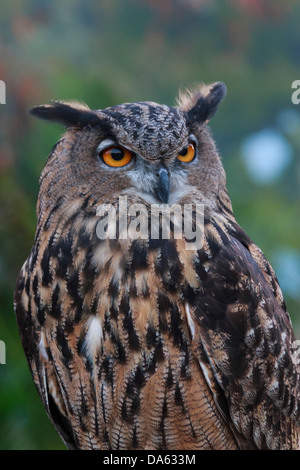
84,407
64,347
73,287
133,289
40,308
88,269
170,379
107,368
62,424
136,403
206,106
135,442
133,339
139,378
159,355
139,256
55,307
164,303
164,306
62,250
66,115
25,283
120,350
69,325
47,277
175,327
33,257
190,294
178,397
113,290
151,336
94,304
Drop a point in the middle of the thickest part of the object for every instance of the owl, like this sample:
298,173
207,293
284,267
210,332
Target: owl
139,337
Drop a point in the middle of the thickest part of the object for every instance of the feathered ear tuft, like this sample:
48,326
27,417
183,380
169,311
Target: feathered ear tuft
70,114
202,104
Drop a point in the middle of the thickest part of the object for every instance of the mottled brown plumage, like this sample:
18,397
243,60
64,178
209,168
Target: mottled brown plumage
144,343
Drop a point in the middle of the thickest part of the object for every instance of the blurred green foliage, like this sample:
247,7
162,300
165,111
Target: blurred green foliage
112,51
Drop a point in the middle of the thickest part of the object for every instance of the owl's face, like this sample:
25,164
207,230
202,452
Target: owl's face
151,152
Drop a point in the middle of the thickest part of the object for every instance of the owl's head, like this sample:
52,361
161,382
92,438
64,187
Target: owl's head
151,152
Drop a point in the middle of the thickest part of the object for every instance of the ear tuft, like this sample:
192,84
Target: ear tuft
202,104
70,114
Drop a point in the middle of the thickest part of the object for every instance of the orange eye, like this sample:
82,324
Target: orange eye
116,156
187,154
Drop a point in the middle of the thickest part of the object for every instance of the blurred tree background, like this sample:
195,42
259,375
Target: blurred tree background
111,51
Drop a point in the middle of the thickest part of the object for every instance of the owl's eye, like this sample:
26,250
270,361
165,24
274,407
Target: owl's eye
116,156
187,154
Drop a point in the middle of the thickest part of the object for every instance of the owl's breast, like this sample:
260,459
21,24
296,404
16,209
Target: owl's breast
113,315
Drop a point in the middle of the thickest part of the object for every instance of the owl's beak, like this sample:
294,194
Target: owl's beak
162,188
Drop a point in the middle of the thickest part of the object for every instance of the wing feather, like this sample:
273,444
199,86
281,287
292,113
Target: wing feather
242,327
